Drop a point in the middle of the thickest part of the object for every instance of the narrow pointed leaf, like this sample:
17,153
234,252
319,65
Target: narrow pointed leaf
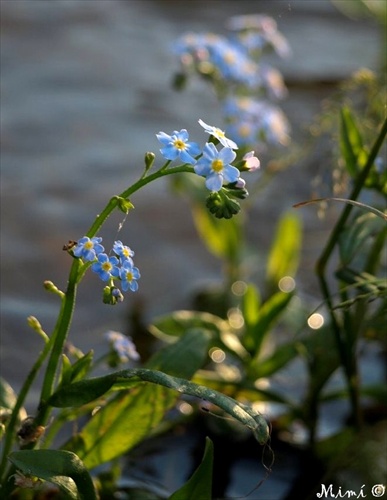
199,486
130,416
285,251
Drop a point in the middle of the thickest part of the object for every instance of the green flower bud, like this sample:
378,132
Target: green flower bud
112,295
50,287
149,159
236,192
123,204
221,206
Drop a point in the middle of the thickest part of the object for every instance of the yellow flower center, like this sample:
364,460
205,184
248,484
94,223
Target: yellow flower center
179,144
106,266
230,57
217,165
244,130
89,245
129,276
219,132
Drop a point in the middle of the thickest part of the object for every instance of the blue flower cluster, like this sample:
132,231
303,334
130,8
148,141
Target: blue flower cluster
251,118
122,346
118,266
211,163
242,81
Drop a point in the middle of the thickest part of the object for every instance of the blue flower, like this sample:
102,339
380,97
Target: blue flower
123,252
122,345
177,146
215,166
129,274
106,267
219,134
88,248
253,121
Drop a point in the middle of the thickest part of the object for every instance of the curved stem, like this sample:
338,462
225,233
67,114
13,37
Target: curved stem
143,181
62,327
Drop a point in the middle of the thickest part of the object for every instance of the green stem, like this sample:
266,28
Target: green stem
11,426
143,181
60,332
59,338
64,320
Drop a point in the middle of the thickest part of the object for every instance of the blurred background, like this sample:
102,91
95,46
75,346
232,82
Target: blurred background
85,86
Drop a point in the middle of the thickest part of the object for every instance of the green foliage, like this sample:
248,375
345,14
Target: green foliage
200,483
60,467
284,255
219,356
351,143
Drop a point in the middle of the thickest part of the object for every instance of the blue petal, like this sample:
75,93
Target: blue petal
193,148
164,138
227,155
214,182
203,167
169,152
210,150
187,158
183,135
230,173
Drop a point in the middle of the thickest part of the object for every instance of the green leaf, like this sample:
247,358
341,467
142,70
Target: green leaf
243,413
173,325
222,237
199,486
57,466
126,420
8,400
82,392
131,415
184,357
271,364
269,313
351,144
82,366
250,306
285,251
65,376
358,234
322,358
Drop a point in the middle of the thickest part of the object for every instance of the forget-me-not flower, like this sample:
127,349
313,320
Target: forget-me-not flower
106,267
215,166
123,251
178,146
122,345
129,276
88,248
219,134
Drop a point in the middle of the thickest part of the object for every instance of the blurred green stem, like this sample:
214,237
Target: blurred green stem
345,343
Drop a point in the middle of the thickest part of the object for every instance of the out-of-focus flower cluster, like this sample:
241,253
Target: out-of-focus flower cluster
119,266
122,348
243,84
